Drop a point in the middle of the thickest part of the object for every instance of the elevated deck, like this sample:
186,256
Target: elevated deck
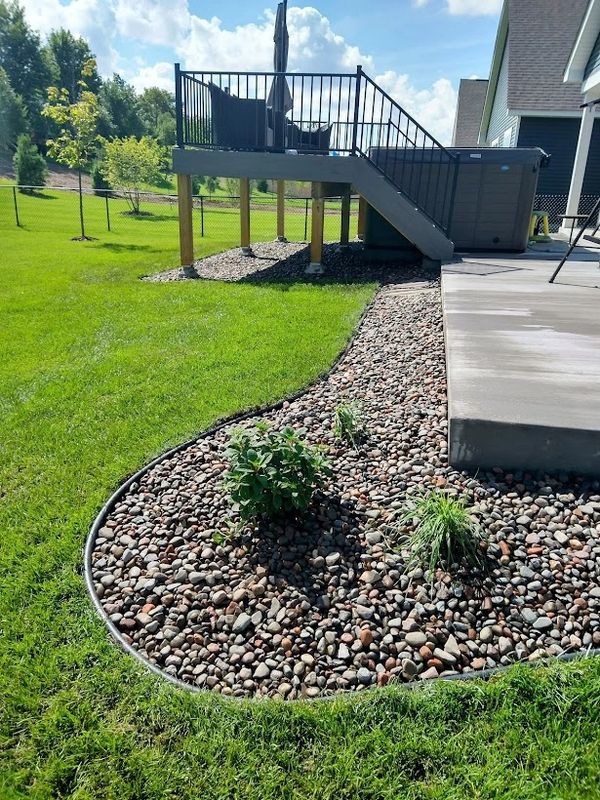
334,128
523,362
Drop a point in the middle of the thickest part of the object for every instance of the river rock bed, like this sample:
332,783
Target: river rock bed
287,262
324,603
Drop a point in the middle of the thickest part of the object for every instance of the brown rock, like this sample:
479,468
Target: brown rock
366,637
425,652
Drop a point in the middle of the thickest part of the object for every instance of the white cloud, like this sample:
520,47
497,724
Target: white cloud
199,42
94,20
474,7
160,74
158,22
433,108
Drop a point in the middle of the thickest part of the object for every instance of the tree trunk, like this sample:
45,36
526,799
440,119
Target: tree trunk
81,206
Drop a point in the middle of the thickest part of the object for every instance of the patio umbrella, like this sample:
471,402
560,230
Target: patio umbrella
280,99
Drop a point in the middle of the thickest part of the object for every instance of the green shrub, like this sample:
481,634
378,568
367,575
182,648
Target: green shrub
29,165
445,533
272,473
262,186
348,424
99,183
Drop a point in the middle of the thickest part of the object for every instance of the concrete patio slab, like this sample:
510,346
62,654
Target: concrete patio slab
523,362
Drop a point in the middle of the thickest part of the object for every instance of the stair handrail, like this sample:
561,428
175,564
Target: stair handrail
439,213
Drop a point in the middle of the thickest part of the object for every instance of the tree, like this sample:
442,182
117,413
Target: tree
13,117
70,56
119,114
262,186
154,104
77,139
232,186
212,184
166,131
24,61
29,164
130,163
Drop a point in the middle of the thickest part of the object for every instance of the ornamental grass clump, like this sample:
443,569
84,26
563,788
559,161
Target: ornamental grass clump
272,473
444,534
348,424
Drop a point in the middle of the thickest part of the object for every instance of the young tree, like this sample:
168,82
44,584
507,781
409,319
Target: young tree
70,56
77,139
212,184
13,117
29,165
130,163
262,186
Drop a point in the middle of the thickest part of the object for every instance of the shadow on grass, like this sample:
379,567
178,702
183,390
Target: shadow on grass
114,247
38,195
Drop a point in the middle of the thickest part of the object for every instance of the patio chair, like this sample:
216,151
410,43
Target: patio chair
238,123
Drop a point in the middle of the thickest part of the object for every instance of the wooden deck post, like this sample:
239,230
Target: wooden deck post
281,211
362,217
317,223
245,216
186,236
345,221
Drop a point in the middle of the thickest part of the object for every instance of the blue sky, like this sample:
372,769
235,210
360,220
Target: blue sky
418,49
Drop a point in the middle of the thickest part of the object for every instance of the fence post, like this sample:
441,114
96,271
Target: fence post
107,212
16,206
306,220
201,215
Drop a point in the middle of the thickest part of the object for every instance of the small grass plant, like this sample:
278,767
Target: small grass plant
272,473
444,534
348,423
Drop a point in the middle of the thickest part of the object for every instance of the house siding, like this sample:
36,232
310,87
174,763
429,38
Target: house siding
593,64
500,119
558,137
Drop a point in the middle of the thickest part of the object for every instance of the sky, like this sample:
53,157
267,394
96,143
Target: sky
417,50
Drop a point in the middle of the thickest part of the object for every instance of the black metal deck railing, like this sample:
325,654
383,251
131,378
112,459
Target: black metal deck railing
345,114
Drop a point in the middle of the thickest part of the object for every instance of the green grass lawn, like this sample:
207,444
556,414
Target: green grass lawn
52,210
100,372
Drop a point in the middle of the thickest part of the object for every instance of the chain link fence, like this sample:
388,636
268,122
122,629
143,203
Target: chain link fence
109,214
556,204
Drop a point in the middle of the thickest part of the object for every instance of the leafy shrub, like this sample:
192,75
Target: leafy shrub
272,473
262,186
99,183
30,166
348,425
444,534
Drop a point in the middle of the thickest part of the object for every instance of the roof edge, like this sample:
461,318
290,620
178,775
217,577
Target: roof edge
499,47
584,44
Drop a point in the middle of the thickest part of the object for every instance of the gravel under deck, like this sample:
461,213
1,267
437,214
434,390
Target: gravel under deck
325,604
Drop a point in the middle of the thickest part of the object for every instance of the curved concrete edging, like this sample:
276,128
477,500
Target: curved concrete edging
484,674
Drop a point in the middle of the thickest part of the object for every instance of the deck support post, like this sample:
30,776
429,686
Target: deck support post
186,236
345,221
362,217
317,224
245,216
281,211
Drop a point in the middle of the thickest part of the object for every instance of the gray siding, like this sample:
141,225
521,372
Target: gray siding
558,137
500,119
593,64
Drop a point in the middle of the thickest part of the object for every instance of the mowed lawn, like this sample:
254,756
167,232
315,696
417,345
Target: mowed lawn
100,372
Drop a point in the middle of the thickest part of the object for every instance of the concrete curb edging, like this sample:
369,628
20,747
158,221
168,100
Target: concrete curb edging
100,519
